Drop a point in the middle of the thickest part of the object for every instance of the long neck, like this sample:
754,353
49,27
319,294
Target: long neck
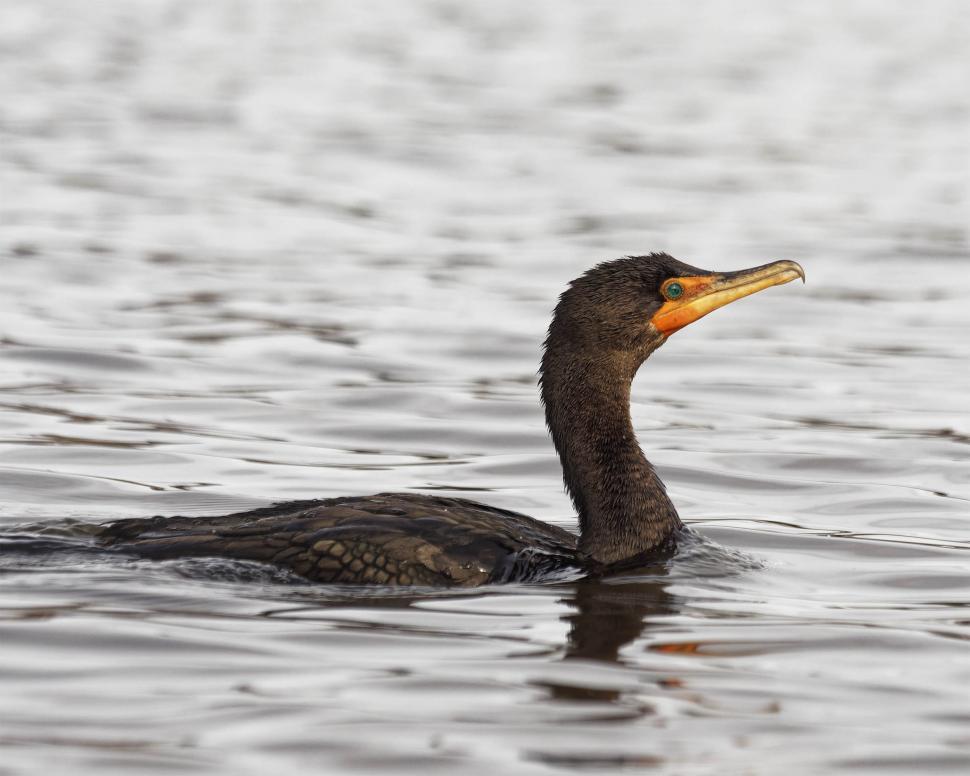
624,510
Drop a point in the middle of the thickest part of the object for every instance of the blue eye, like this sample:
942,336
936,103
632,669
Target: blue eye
673,290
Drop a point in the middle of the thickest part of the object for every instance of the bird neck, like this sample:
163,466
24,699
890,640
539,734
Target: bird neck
623,507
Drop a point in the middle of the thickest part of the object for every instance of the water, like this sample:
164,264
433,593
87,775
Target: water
255,252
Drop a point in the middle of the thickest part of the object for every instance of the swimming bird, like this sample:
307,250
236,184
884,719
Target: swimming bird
605,325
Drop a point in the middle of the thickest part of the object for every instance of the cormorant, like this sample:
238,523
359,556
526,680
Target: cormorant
605,325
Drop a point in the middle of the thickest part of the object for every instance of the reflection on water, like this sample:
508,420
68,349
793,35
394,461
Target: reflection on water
255,252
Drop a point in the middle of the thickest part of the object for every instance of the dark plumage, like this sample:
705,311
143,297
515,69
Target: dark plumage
390,539
601,333
605,325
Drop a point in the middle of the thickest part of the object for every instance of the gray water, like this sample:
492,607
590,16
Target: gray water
263,251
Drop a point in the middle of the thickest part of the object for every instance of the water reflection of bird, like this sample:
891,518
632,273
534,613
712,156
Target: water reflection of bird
605,617
605,326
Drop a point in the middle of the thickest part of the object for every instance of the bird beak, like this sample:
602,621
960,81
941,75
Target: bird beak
705,293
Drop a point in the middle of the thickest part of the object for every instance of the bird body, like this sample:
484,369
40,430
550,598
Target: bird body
605,326
385,539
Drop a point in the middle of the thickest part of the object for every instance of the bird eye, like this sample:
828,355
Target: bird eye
673,290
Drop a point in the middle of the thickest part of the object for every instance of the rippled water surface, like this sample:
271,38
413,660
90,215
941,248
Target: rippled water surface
265,251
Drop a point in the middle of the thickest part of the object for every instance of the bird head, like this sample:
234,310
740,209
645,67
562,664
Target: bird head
631,305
